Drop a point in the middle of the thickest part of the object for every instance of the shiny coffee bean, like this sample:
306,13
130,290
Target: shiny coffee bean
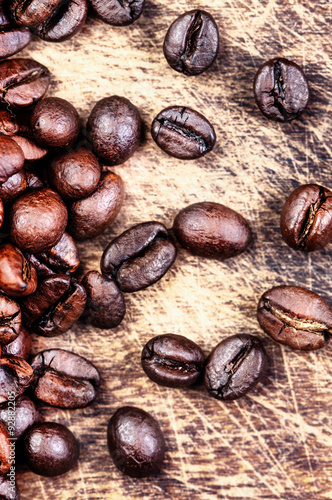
56,305
172,360
38,220
55,122
64,379
306,218
114,128
8,489
10,319
234,367
135,442
31,150
15,377
20,347
4,17
281,89
12,40
32,12
74,174
19,417
23,82
183,133
90,216
212,230
17,184
7,456
191,43
17,276
50,449
66,20
106,307
11,158
139,257
295,317
118,12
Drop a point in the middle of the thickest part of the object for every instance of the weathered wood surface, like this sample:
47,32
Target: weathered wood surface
276,442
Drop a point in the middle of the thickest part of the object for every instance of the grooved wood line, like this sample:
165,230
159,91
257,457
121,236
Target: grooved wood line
276,442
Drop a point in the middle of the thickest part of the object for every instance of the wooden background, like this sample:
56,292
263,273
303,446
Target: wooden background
276,442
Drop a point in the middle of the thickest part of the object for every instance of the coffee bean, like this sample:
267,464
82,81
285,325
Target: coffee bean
20,347
212,230
17,184
50,449
10,319
135,442
23,82
281,89
183,133
90,216
8,489
32,12
8,123
64,379
11,158
12,40
17,276
172,360
118,12
139,257
26,415
306,218
15,377
6,457
191,43
31,150
66,20
38,220
114,127
295,316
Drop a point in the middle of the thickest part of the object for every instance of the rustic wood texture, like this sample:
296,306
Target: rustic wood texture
276,442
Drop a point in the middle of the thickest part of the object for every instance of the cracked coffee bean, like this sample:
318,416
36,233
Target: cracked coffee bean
8,489
10,319
234,367
6,454
20,347
135,442
172,360
26,415
17,276
12,40
66,20
32,12
118,12
15,377
183,133
11,158
50,449
306,218
139,257
281,89
64,379
191,43
295,316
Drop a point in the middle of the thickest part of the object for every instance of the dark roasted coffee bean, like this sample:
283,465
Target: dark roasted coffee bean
50,449
31,150
56,305
66,20
183,133
20,347
234,367
64,379
15,376
295,317
11,158
23,82
17,184
55,122
8,489
212,230
38,220
281,89
10,319
191,43
135,442
17,276
306,218
32,12
6,455
118,12
106,307
74,174
139,257
172,360
90,216
114,127
18,417
12,40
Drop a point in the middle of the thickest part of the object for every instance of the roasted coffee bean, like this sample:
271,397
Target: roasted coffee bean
17,184
17,276
15,376
6,455
23,82
38,220
172,360
10,319
135,442
8,489
183,133
56,305
281,89
15,123
114,127
191,43
90,216
12,40
306,218
11,158
20,347
31,150
50,449
106,307
64,379
66,20
4,17
212,230
74,174
118,12
295,316
55,122
139,257
32,12
26,415
234,367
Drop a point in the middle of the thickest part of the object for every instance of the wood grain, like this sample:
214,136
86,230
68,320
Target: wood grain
276,442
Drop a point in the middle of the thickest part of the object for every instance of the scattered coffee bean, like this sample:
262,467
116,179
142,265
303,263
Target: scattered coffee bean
12,40
118,12
32,12
17,276
20,347
6,456
66,20
26,415
10,319
11,158
8,489
15,376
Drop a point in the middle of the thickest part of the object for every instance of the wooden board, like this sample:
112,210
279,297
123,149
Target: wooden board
276,442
